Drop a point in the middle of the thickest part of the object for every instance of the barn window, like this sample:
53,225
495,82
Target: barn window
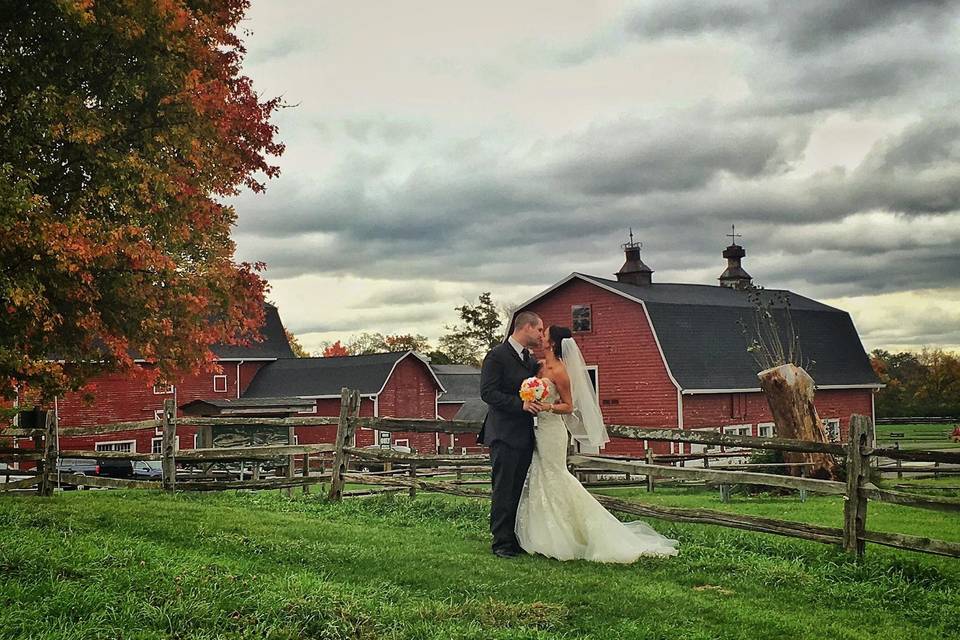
832,427
594,378
220,384
765,430
156,445
162,389
126,446
582,317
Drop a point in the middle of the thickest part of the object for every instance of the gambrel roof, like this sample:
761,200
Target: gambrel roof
698,331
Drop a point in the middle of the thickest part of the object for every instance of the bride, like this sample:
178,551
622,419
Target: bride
557,517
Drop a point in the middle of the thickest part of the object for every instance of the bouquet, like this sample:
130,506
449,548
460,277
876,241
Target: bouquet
533,390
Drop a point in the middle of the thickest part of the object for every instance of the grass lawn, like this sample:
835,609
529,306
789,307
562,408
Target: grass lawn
110,564
918,436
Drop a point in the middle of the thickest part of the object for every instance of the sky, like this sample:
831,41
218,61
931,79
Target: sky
440,149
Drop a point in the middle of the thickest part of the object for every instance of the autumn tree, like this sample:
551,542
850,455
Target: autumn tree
480,329
924,383
335,350
295,345
376,342
123,125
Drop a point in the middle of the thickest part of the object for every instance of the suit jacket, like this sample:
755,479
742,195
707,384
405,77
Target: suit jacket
500,379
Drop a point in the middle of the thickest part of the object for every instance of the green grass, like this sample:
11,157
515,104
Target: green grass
131,565
918,436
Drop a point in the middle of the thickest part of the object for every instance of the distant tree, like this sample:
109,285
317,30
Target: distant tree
123,126
439,357
917,384
480,330
295,345
376,342
335,350
407,342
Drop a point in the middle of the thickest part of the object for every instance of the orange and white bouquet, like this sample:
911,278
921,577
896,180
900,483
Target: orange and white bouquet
533,390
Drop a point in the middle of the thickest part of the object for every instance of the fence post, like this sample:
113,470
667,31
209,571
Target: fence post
291,436
803,492
49,462
349,407
855,507
413,479
306,471
649,454
168,464
896,445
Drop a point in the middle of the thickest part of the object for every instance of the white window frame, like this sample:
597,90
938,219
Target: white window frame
153,445
401,443
107,445
219,378
166,389
296,439
771,426
312,409
596,377
196,440
827,424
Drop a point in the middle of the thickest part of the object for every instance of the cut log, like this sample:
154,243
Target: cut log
789,391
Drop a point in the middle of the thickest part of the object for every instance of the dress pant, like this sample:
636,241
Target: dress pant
510,466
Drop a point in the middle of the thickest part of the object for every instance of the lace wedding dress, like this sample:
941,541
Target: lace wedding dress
559,519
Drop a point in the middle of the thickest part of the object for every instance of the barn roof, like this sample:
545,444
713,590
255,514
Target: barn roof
473,410
274,344
325,377
246,406
705,349
461,381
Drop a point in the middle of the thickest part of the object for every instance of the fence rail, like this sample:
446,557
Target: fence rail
429,472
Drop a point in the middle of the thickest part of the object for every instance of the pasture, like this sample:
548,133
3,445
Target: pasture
257,565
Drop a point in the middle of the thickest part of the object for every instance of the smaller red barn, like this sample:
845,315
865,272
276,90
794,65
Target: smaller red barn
462,384
399,385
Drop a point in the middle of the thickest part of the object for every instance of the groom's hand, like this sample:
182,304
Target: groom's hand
532,407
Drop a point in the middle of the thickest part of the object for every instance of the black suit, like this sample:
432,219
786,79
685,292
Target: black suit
508,431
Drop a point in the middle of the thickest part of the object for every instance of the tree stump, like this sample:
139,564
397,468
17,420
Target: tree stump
789,391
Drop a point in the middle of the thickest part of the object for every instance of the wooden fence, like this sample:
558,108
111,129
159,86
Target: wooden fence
421,471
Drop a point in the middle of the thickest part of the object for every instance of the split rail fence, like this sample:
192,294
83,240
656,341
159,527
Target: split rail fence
330,464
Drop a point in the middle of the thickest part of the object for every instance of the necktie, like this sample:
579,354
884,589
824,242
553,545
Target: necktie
526,357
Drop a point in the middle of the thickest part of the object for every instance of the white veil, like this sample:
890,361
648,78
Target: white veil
585,424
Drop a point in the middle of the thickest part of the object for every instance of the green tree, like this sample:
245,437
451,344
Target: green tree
123,125
479,330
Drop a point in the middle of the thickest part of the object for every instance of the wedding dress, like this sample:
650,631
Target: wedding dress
558,517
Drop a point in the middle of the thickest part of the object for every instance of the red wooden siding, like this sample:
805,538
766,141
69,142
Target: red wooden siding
634,386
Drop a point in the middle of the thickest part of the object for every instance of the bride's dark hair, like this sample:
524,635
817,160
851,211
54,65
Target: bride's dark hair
557,334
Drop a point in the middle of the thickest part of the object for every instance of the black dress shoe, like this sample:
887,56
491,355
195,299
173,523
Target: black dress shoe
505,553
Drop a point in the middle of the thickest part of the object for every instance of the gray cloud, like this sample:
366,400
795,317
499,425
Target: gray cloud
408,177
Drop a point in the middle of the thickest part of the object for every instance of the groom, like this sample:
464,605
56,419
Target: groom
508,427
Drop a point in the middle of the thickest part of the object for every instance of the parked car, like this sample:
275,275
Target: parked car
147,470
376,465
105,468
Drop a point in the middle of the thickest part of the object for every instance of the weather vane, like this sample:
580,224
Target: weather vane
733,235
632,244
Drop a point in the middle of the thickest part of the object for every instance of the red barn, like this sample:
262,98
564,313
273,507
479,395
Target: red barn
462,383
122,397
675,355
399,385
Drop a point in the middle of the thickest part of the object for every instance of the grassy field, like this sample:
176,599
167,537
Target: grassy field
107,564
918,436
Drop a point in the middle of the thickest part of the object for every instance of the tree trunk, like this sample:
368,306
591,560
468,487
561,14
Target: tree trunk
789,391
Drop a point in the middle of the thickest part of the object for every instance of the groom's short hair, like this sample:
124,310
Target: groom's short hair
525,318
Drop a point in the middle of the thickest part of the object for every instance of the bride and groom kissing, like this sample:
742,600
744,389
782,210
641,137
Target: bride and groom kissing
537,505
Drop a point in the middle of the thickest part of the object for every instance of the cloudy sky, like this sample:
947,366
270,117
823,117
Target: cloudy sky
439,149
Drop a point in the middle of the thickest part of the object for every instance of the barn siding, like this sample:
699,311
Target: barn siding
634,386
725,409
